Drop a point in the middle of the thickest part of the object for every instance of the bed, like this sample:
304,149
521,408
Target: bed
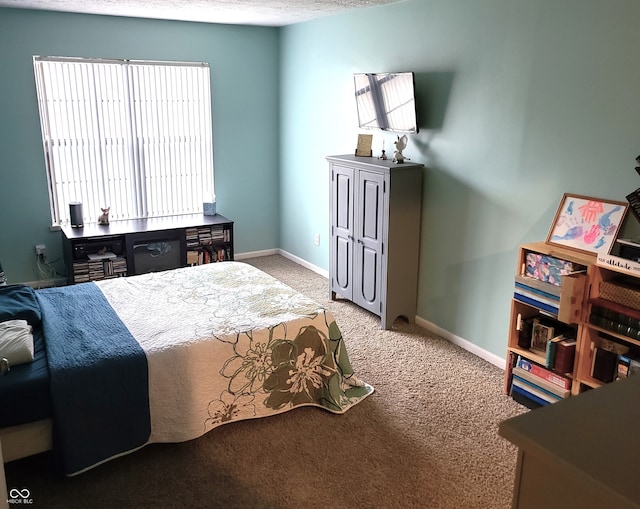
166,357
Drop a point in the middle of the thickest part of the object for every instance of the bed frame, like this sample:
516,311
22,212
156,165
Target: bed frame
18,442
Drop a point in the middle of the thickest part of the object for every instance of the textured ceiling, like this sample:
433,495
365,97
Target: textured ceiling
241,12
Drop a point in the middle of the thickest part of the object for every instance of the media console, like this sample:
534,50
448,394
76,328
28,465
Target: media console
125,248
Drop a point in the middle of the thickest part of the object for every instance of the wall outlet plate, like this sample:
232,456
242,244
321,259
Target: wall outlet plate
41,249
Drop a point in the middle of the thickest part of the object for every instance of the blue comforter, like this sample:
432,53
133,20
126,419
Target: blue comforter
99,378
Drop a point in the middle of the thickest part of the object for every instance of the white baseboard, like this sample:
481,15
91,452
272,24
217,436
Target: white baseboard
463,343
281,252
304,263
255,254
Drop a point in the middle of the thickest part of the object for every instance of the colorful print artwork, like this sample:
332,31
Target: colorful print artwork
587,224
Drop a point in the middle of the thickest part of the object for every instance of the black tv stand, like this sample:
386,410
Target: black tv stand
95,252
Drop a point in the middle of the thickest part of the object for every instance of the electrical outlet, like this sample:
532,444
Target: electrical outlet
41,249
316,239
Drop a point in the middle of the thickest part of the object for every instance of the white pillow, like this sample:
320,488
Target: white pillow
16,342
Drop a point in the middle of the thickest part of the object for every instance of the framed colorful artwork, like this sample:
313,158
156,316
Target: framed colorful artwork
586,224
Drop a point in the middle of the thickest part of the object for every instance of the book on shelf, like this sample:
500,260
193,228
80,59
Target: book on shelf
606,357
615,322
545,298
552,345
546,374
524,327
533,388
519,386
565,354
525,299
605,365
524,398
634,367
622,368
615,307
522,392
536,285
540,382
552,299
511,362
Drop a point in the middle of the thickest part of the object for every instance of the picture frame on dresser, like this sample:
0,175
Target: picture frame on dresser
586,224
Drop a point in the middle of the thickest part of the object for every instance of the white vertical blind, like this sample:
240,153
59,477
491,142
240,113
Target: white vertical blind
133,136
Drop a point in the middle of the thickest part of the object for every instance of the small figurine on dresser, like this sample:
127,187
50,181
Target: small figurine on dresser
104,217
383,155
401,144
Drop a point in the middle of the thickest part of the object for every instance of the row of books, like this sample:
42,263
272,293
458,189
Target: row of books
549,338
537,293
615,317
95,270
560,354
534,386
613,360
208,255
204,235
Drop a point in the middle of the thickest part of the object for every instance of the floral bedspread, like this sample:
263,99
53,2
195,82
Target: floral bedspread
226,342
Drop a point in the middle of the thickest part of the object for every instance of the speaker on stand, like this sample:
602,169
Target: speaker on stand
75,211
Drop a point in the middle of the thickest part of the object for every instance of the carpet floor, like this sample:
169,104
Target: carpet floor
427,437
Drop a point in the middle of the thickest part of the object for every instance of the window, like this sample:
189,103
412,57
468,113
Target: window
131,135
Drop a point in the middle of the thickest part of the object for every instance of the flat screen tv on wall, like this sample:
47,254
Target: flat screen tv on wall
386,101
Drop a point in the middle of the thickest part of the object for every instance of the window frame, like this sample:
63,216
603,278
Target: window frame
171,174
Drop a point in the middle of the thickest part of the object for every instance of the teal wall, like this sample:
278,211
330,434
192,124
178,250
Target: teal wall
519,102
244,65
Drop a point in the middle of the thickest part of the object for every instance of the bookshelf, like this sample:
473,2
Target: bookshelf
599,302
100,267
551,288
208,244
610,341
125,248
